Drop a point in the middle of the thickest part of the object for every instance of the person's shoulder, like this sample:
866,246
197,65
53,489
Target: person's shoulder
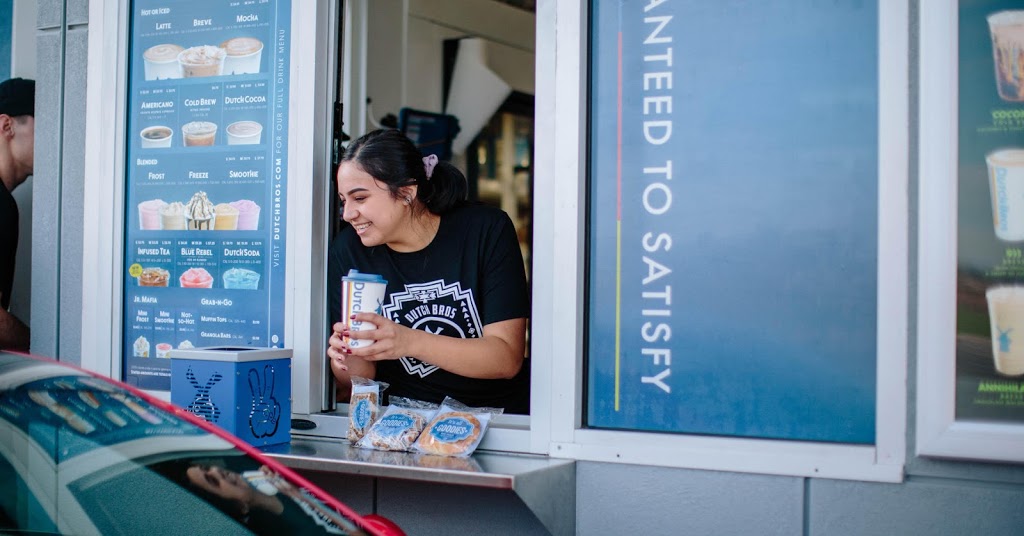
479,214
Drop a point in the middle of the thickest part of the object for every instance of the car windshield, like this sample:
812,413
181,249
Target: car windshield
79,455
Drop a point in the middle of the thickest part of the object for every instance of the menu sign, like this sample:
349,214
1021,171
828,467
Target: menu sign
990,271
206,169
733,209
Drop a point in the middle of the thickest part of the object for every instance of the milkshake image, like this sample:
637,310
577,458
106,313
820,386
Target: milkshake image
1006,184
243,55
162,349
1007,31
172,217
248,215
227,217
1006,317
199,133
196,278
140,348
240,278
153,277
199,213
184,345
203,60
161,62
244,133
149,214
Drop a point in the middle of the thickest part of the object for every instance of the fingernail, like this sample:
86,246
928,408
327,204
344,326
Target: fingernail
348,350
344,333
352,317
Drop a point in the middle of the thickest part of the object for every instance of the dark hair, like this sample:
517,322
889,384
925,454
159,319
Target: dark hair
390,157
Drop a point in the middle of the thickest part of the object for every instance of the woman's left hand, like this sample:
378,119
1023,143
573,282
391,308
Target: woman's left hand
393,340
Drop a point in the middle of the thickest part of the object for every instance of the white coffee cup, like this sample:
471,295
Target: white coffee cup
243,55
161,62
244,133
156,136
1006,316
361,293
1006,181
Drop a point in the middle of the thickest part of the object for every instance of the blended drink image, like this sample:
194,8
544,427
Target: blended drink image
204,60
1007,30
227,217
161,62
149,214
241,278
361,293
243,55
1006,316
199,213
196,278
140,348
172,217
248,214
162,349
154,277
199,133
1006,183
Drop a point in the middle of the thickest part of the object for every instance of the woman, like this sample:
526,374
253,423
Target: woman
453,322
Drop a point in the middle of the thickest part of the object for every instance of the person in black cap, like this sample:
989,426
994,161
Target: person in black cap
17,139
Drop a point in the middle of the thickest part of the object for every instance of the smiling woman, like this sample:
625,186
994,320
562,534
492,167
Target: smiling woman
453,320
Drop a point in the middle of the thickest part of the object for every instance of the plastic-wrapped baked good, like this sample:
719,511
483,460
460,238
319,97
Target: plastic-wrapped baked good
399,426
455,430
363,406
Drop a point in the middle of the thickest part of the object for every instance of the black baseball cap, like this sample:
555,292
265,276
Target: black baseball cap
18,97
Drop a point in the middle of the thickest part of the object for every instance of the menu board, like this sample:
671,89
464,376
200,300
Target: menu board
733,219
205,213
990,180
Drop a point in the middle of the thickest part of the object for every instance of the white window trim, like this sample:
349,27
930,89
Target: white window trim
103,221
558,307
938,433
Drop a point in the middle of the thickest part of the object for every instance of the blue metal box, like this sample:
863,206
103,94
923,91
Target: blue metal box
246,391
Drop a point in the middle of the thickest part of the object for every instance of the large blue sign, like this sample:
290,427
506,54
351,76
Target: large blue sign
733,207
206,169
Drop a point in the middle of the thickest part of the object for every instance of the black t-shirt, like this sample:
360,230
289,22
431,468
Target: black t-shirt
8,243
469,276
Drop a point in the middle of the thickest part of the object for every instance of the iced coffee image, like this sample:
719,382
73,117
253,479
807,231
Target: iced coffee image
1006,316
242,55
1006,185
199,133
160,62
203,60
1007,31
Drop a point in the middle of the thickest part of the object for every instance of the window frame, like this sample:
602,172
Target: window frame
560,276
938,433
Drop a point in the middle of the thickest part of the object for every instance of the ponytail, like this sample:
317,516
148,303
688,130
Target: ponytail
393,159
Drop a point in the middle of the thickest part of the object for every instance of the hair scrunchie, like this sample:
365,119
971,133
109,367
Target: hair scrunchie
428,164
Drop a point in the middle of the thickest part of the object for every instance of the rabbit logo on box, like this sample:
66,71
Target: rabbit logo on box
266,410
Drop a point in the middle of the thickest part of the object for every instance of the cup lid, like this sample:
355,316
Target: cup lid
355,275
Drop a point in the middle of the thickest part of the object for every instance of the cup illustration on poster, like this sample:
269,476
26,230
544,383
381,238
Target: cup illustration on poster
1006,184
238,55
1006,317
1007,31
198,214
156,136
